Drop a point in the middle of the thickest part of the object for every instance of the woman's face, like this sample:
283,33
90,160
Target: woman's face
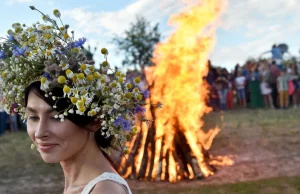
56,141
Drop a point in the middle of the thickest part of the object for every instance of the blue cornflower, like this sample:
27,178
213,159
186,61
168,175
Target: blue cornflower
80,42
139,109
19,51
69,45
125,124
2,54
146,94
118,121
10,38
47,75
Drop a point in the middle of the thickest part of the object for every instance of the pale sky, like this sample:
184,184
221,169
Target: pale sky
248,27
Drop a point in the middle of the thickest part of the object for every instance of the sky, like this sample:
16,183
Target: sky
247,27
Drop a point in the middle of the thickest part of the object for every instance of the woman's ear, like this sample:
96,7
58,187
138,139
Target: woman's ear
94,126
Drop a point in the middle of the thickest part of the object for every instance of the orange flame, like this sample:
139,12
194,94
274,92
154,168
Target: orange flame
177,82
181,64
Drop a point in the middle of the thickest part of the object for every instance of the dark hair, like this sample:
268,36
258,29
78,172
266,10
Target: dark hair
79,120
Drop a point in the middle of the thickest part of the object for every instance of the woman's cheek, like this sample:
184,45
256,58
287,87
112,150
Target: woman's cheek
30,131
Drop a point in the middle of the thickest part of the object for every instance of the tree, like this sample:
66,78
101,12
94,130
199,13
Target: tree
138,43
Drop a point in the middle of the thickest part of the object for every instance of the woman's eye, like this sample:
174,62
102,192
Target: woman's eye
33,118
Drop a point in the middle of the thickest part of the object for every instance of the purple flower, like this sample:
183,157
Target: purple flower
146,94
80,42
125,124
47,75
139,109
11,38
19,51
2,54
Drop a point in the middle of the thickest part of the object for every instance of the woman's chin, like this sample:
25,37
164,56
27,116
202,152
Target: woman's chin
50,159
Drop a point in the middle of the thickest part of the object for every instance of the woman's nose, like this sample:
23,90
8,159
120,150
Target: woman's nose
42,129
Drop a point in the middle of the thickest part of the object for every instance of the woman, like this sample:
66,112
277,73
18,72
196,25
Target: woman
74,143
265,87
75,114
256,100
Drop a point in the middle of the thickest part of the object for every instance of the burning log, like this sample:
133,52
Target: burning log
174,147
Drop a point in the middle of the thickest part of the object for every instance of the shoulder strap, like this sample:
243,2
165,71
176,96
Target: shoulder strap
107,176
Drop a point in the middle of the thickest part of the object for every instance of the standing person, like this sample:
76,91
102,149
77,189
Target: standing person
13,118
222,88
283,89
3,118
240,84
76,115
275,72
211,78
293,86
265,87
230,93
256,100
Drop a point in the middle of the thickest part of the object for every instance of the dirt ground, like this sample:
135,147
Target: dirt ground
263,144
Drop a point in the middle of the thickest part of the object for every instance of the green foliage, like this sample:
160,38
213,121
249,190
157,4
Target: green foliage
138,43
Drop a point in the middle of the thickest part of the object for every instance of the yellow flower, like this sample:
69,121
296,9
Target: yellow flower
48,36
128,95
137,80
104,64
73,100
80,103
104,51
81,109
66,89
118,73
3,74
120,80
43,80
92,113
10,32
114,84
75,50
56,13
90,78
80,76
66,36
61,79
96,75
139,97
92,68
83,67
129,86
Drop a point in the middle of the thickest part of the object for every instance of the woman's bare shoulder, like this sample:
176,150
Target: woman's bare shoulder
108,187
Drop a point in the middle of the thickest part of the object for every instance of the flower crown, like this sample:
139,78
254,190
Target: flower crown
47,53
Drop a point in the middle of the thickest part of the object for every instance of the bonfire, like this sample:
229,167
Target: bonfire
174,147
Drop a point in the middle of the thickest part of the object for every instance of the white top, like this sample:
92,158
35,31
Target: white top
107,176
240,82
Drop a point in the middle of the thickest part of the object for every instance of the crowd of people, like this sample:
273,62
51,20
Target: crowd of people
257,84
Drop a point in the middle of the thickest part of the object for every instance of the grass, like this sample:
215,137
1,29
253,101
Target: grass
22,170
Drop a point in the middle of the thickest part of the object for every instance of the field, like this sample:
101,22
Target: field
264,145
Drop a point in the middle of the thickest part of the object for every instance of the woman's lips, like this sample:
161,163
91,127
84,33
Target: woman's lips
46,147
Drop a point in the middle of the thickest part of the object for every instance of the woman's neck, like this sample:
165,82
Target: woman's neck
84,166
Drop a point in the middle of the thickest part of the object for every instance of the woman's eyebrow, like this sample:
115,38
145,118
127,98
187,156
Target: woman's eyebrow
32,110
